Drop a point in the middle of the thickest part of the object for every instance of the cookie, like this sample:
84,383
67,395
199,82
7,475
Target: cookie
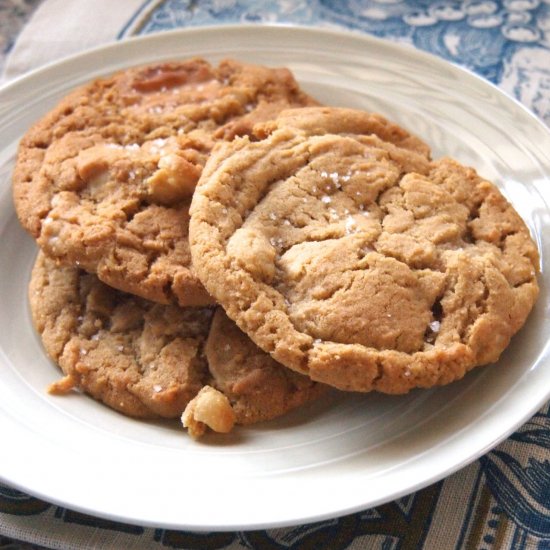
317,121
140,358
150,360
358,262
103,182
257,387
247,385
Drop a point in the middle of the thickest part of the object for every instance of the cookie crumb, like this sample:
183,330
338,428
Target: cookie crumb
208,409
62,386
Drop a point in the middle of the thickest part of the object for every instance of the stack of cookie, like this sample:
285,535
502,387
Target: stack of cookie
215,244
104,183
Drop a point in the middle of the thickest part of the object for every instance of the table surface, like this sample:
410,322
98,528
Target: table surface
508,43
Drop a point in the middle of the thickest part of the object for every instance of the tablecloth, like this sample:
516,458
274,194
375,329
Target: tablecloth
501,500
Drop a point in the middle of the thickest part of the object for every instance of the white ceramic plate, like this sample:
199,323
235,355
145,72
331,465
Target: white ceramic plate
333,457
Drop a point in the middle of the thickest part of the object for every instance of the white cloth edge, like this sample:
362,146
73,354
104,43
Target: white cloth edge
40,43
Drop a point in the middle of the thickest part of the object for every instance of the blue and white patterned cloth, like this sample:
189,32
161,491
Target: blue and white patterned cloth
500,501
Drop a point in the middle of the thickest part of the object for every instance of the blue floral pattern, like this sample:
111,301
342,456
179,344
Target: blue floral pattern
523,491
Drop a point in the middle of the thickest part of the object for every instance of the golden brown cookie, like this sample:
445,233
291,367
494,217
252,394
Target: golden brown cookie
104,181
357,261
257,387
318,120
149,360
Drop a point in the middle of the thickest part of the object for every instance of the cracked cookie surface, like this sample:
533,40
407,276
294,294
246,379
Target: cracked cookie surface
149,360
104,181
357,261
